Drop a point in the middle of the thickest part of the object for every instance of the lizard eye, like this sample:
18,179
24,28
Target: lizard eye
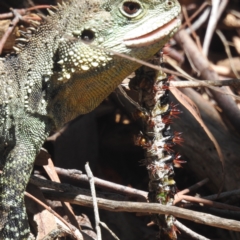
131,8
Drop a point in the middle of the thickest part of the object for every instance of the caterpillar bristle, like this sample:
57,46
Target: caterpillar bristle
177,162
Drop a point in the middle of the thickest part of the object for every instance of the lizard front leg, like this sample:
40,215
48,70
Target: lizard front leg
15,175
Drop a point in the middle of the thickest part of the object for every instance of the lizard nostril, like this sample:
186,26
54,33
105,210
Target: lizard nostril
169,4
87,35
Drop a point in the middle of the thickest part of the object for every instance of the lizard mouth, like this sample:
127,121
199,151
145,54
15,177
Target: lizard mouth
152,37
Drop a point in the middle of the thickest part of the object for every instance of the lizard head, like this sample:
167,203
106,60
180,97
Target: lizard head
93,32
138,28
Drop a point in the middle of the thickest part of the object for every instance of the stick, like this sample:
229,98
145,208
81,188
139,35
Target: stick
94,200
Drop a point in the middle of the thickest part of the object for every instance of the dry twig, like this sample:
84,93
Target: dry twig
75,232
94,200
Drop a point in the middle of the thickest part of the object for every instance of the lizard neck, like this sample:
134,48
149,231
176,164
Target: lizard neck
85,91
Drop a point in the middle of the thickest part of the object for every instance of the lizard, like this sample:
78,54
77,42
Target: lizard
64,69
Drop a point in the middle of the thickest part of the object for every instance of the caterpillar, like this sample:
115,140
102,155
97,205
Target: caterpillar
158,140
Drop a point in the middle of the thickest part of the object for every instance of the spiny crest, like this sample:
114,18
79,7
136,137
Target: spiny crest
55,13
25,35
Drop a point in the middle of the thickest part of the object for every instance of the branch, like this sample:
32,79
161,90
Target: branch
120,206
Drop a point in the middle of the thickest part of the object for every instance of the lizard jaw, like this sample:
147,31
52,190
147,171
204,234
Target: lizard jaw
154,36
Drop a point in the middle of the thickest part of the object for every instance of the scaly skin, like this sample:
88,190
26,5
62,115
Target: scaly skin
63,71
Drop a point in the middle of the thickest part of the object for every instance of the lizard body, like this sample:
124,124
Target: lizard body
64,70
